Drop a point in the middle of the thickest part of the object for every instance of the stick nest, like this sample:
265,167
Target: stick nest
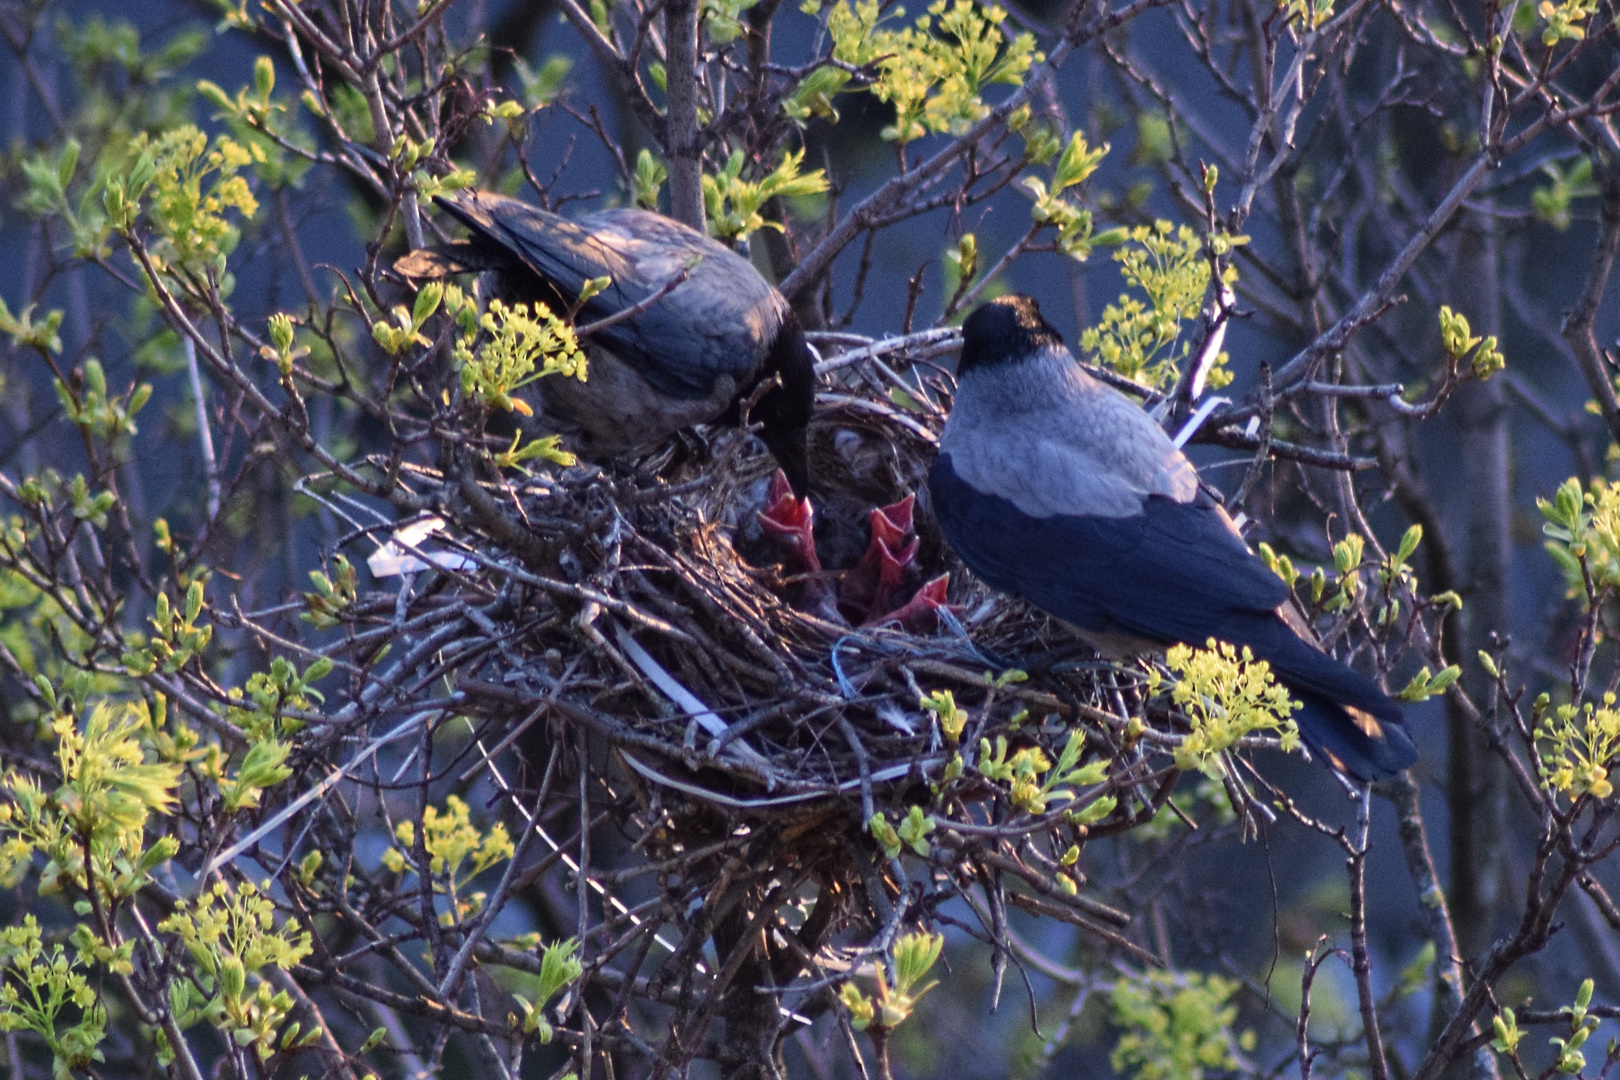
631,635
659,616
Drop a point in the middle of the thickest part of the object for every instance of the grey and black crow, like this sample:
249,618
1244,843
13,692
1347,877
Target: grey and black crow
1057,488
691,356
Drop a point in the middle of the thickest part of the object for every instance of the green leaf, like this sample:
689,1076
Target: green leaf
264,78
884,834
650,177
427,302
905,401
67,163
1423,685
1409,542
1077,164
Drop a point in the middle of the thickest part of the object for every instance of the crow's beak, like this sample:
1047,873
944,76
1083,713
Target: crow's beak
790,446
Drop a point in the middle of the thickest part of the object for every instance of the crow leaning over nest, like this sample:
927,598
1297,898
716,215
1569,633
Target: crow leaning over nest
692,356
1057,488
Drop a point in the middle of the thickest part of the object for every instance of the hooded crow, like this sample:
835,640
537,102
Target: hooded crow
1056,488
684,350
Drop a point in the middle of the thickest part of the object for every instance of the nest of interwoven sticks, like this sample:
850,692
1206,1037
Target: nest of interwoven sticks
754,726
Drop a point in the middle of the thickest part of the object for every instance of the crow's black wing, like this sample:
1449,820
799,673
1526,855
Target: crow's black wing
1175,572
719,321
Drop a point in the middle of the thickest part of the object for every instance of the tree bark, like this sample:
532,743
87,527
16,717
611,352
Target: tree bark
683,145
1474,784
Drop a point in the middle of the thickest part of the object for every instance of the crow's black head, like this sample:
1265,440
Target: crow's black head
1007,328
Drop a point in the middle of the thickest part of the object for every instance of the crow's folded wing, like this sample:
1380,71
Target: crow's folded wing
1175,572
718,322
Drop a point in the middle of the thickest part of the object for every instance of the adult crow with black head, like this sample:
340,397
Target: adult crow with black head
1056,488
697,328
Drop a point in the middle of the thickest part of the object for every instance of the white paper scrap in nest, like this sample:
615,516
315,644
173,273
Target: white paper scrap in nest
402,554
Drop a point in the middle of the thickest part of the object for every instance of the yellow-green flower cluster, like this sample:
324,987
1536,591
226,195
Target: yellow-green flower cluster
933,72
1226,695
1583,530
1578,747
1176,1025
231,934
525,342
189,190
457,852
1136,337
39,984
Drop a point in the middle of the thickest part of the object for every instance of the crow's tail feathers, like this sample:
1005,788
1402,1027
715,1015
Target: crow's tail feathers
1357,742
1344,716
